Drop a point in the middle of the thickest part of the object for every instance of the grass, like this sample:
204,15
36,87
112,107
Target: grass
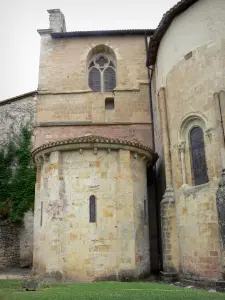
9,290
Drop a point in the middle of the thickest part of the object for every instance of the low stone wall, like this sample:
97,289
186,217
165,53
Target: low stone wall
9,246
16,245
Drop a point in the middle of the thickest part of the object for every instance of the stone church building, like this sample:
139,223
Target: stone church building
129,148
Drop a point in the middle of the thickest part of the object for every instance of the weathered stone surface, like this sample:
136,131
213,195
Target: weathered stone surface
30,283
66,241
9,245
192,218
26,240
127,275
220,201
169,233
91,151
190,103
12,115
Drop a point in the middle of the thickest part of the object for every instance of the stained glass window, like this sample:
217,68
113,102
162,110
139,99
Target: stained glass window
109,79
94,80
92,209
198,160
102,74
101,61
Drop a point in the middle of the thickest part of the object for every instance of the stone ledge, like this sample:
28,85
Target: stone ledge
219,285
87,123
188,190
169,276
44,31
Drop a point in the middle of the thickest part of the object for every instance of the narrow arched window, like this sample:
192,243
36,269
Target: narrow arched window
102,74
92,209
94,79
109,76
198,160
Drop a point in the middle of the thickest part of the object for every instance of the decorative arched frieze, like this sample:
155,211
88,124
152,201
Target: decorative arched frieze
95,142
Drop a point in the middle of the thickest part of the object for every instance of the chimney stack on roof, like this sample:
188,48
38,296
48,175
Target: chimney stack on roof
57,20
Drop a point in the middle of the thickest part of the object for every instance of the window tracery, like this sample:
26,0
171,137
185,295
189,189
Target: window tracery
102,74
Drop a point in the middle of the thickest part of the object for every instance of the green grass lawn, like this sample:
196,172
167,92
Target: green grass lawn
9,290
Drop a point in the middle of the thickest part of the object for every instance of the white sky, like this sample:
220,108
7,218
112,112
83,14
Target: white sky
20,42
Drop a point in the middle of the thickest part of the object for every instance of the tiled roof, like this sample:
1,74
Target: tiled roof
96,140
7,101
115,32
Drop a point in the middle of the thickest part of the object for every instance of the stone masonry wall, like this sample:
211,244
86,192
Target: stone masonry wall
9,246
15,113
26,240
65,240
67,107
12,115
190,82
64,62
169,237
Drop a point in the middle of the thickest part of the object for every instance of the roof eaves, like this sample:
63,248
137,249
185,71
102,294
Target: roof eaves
117,32
13,99
163,26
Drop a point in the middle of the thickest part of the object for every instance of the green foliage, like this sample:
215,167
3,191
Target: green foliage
17,177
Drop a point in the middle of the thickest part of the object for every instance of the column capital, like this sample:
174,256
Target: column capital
181,146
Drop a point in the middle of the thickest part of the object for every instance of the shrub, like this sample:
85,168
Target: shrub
17,177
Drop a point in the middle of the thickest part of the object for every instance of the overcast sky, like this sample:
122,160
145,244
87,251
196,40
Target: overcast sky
20,42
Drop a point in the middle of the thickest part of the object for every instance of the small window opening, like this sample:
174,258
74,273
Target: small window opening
188,55
109,103
92,209
41,213
145,212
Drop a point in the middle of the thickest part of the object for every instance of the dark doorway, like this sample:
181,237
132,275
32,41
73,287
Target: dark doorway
154,198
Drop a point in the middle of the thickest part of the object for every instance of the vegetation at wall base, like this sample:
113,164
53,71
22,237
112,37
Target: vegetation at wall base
17,177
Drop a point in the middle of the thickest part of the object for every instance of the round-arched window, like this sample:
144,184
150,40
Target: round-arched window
198,160
102,74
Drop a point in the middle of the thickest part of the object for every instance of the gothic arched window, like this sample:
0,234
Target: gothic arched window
102,74
198,161
92,209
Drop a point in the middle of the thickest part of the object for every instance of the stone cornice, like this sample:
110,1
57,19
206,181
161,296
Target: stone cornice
44,31
87,123
41,153
118,89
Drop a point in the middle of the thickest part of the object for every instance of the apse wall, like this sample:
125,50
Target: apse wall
190,66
